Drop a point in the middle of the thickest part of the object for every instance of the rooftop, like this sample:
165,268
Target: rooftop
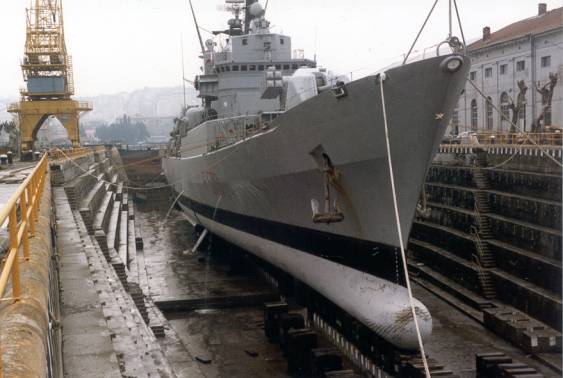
534,25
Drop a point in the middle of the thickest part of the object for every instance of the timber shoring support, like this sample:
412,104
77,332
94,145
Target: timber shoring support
24,324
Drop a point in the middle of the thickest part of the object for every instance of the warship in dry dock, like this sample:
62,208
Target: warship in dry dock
289,162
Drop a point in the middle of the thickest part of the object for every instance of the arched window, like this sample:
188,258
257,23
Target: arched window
489,107
505,117
455,122
522,112
474,115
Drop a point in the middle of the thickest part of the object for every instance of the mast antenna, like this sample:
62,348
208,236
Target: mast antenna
197,28
183,69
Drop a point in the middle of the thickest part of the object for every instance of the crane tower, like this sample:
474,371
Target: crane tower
48,77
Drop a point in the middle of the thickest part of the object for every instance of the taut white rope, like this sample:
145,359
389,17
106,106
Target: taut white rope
382,78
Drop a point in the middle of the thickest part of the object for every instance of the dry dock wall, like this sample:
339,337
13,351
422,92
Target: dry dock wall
24,325
523,211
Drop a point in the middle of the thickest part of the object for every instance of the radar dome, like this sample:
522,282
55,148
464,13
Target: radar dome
256,10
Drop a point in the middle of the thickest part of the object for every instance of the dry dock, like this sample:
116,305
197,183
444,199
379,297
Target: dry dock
126,296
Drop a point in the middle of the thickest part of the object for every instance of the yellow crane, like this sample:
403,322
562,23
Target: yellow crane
47,73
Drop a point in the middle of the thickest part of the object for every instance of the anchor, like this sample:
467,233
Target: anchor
332,212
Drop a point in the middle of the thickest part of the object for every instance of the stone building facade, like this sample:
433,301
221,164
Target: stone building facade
527,50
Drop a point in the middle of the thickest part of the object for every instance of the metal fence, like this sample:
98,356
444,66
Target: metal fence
506,139
25,202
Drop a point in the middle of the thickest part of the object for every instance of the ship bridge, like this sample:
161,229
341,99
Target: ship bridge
235,78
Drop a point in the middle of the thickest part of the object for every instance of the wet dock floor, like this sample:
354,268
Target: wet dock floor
456,338
233,338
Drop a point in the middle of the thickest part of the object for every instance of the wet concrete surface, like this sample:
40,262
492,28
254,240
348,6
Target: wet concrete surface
456,338
174,272
232,338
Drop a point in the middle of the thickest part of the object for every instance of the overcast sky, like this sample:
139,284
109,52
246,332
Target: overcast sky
123,45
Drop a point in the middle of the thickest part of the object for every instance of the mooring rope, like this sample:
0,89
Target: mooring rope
114,184
382,78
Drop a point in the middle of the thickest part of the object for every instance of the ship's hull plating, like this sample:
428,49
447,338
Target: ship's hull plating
257,193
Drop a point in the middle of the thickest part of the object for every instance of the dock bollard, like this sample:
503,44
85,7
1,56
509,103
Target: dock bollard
3,159
10,157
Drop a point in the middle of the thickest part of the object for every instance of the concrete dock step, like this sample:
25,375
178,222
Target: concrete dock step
136,348
77,188
535,301
452,288
522,330
113,226
122,250
463,272
91,202
102,215
87,345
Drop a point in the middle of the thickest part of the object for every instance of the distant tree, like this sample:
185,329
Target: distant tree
11,129
7,126
123,130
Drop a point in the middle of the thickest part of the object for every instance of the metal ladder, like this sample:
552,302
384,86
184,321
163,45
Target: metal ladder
481,231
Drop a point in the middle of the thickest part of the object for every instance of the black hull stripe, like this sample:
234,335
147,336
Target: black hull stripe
376,259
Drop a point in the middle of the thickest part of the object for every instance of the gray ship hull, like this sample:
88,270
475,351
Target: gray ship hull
257,192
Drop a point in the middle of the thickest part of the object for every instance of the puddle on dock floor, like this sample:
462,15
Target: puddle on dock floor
228,337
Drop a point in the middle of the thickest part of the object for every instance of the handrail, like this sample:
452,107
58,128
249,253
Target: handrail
547,138
27,198
477,241
12,108
85,104
550,138
57,154
480,271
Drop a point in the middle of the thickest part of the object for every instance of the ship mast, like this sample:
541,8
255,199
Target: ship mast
248,16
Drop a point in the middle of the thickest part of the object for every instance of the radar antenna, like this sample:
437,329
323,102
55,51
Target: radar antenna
247,15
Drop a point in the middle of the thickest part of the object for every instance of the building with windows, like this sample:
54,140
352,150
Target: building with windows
527,50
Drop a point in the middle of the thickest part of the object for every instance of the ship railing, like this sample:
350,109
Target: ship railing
227,131
144,147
